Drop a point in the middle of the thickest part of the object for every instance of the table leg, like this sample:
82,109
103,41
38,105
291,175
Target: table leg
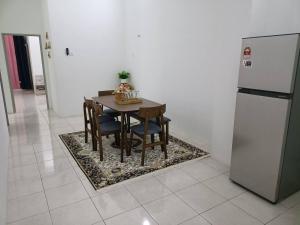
122,137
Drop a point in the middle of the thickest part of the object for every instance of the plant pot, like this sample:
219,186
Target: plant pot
123,81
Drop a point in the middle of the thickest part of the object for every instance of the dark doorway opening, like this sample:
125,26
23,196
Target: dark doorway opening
23,62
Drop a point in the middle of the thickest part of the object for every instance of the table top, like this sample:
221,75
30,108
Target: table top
109,101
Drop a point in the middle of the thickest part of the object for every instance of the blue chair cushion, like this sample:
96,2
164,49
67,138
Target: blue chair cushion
111,112
106,118
110,127
152,129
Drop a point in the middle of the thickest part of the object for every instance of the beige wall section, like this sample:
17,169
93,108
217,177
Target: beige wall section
186,53
19,17
94,33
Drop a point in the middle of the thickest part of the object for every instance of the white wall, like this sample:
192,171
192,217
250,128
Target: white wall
3,161
19,17
94,33
186,53
35,56
271,17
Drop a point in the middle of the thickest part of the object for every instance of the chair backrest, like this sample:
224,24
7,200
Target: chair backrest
105,93
97,111
87,111
147,113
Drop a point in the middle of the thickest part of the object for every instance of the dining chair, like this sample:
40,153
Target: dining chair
88,125
103,128
165,122
146,127
109,112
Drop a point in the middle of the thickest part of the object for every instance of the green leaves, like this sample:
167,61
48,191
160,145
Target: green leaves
124,75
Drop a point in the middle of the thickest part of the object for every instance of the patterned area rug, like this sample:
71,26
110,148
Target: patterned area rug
111,170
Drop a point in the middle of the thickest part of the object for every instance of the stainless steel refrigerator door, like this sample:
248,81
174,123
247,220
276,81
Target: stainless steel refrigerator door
269,63
260,126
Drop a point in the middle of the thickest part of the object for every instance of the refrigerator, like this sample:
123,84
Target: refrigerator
266,141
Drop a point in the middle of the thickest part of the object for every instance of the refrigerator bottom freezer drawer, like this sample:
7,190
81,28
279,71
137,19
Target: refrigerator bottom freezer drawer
259,137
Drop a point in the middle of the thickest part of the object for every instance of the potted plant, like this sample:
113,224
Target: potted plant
124,75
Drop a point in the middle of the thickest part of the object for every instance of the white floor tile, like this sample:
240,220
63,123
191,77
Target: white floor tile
228,214
223,186
50,155
23,173
21,188
201,171
136,216
99,223
21,160
147,189
81,213
55,166
27,206
41,219
216,165
59,179
46,146
291,201
93,193
176,179
292,217
200,197
65,195
169,210
114,202
258,207
198,220
20,150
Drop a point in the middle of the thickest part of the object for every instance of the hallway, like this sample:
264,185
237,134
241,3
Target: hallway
47,187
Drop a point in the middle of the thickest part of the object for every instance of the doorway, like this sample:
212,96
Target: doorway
26,72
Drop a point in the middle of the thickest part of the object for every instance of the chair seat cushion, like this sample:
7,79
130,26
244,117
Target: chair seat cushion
106,118
110,127
111,112
152,129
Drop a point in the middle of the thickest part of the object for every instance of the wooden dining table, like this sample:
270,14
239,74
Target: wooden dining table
109,102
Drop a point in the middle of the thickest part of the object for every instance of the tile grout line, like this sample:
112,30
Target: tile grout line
246,211
86,190
44,191
141,205
288,209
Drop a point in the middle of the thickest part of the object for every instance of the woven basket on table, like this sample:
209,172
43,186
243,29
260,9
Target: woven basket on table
119,97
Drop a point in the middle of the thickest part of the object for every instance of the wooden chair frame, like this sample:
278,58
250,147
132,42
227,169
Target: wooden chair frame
96,113
87,109
146,114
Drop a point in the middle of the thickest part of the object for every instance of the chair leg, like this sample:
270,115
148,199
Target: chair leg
100,149
161,139
165,149
130,142
86,135
128,122
167,133
94,143
152,140
143,151
163,145
117,139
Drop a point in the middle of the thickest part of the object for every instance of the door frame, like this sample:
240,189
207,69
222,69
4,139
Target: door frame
43,65
4,101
